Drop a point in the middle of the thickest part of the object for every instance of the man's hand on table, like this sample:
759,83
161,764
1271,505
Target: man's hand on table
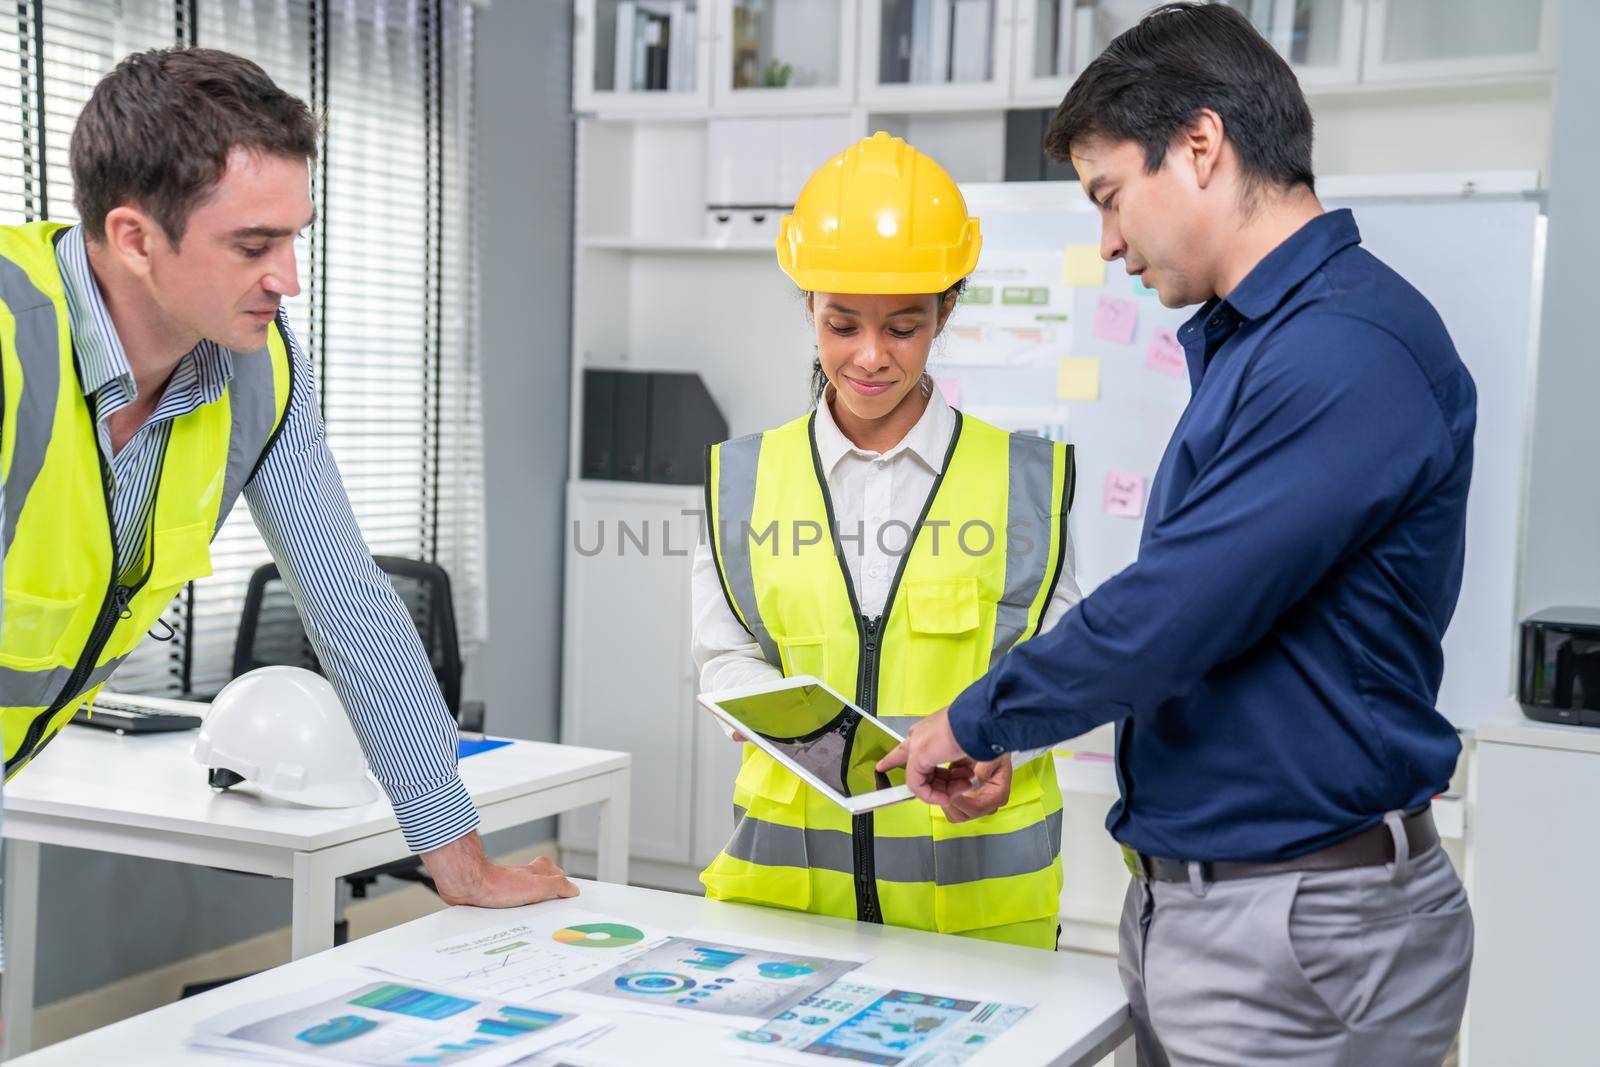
463,874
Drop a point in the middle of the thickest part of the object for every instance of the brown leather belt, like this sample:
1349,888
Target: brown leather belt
1372,847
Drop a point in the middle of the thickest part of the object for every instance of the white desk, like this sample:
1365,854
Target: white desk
1082,1014
1532,876
146,796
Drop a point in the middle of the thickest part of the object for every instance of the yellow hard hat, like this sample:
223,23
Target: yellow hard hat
879,218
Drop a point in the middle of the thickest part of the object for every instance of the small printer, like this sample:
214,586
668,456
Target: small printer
1558,674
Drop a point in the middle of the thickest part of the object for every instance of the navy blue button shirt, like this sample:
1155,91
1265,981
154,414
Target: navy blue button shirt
1272,657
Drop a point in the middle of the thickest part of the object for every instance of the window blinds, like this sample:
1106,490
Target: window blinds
388,311
278,35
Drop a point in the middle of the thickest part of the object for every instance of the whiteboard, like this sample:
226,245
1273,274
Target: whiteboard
1476,258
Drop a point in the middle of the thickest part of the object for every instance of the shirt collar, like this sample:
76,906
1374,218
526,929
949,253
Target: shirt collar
101,357
1292,262
928,440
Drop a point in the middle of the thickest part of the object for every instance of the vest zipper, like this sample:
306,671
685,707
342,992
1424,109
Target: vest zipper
112,608
869,633
868,909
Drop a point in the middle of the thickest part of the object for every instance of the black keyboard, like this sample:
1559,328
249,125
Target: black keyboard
129,717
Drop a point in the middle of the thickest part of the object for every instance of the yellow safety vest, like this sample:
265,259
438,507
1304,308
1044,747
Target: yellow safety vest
69,619
961,599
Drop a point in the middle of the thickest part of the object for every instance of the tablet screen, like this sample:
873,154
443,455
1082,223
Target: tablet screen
822,734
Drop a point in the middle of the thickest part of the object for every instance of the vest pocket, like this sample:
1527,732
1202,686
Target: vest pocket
182,554
997,870
34,630
942,605
804,655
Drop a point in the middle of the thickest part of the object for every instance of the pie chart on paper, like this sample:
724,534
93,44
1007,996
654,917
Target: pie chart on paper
599,935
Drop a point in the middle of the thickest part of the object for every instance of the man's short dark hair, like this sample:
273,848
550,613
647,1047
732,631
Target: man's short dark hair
1181,58
158,130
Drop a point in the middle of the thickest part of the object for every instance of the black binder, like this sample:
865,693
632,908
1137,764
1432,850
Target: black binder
630,427
648,426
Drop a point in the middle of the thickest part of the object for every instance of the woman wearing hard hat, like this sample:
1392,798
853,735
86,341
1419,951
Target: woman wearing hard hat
949,546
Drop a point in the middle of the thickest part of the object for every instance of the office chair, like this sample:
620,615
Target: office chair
270,634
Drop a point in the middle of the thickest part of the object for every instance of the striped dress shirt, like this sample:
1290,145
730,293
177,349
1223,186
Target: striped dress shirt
358,626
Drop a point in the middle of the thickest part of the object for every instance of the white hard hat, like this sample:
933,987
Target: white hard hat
285,730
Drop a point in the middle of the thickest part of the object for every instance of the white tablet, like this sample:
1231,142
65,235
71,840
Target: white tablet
819,735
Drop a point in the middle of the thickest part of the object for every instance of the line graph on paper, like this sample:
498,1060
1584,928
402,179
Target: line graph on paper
515,969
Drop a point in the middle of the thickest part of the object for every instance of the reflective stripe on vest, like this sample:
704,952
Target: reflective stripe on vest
900,859
36,330
952,611
66,624
731,475
1028,491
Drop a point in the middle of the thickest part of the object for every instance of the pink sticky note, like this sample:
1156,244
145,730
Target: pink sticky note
1115,320
1124,494
1165,355
951,388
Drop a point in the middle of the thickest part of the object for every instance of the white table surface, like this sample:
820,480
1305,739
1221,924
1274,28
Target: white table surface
1509,726
151,782
144,795
1081,1013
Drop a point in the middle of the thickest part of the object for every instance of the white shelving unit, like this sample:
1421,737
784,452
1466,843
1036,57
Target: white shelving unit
1413,40
679,246
652,292
1321,39
936,53
902,56
625,687
784,55
622,48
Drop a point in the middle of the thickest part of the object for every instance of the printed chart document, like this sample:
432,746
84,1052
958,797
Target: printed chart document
642,1041
357,1020
526,958
1015,312
1052,422
708,981
880,1025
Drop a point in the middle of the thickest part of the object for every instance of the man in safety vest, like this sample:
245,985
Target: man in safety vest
150,380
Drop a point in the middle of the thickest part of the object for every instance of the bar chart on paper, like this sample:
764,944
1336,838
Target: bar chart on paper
387,1024
868,1024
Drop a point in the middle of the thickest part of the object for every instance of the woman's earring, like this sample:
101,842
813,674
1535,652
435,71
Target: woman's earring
927,384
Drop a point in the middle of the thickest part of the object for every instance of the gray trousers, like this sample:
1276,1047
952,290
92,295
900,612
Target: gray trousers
1347,968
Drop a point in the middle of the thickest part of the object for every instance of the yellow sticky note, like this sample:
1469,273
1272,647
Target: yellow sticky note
1078,378
1082,266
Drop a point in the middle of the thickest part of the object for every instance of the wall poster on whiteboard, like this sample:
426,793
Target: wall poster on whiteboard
1016,312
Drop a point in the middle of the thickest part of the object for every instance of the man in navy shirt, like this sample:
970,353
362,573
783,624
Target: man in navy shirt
1272,657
